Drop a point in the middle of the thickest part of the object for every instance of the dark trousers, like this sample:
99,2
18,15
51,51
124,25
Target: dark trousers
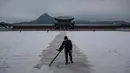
70,55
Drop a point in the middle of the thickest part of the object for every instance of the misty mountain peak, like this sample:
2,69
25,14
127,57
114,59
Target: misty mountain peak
45,16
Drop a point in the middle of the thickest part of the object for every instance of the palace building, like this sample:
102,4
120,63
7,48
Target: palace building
64,22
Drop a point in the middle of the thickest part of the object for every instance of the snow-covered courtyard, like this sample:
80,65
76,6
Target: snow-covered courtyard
106,51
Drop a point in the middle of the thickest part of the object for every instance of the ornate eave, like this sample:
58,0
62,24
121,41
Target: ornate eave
64,18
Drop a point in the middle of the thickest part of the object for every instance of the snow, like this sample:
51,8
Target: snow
80,65
19,51
107,51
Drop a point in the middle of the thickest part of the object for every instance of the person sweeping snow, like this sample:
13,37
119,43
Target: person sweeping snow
67,45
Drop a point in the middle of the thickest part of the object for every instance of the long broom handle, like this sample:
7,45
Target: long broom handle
54,58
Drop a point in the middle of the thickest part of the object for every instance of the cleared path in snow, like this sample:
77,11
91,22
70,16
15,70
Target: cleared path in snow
80,64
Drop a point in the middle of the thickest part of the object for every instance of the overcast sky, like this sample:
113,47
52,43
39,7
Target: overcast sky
26,10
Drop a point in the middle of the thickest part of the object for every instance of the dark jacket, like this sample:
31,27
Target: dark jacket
67,44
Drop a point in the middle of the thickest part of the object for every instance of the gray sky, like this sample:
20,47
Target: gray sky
26,10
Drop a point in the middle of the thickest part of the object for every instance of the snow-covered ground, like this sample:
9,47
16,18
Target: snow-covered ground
107,51
19,51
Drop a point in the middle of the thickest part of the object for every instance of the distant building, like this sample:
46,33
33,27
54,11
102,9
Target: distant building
5,25
64,22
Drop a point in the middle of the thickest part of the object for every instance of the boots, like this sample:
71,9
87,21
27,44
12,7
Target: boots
72,62
66,63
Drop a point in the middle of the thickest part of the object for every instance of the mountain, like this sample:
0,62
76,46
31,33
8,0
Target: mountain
82,22
47,19
100,22
43,19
